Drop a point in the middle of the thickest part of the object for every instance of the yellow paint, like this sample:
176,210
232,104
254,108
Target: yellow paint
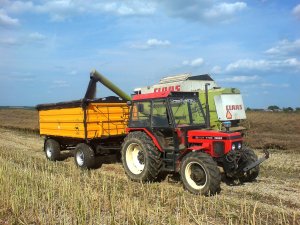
103,119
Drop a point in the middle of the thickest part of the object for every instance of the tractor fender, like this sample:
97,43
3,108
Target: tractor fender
196,148
154,139
202,147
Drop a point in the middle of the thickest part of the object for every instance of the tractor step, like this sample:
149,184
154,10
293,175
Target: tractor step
170,157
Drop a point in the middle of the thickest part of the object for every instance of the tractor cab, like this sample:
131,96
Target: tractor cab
167,117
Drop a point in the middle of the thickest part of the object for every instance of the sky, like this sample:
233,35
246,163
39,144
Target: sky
48,48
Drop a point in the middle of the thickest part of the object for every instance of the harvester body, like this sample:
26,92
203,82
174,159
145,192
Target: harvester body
225,104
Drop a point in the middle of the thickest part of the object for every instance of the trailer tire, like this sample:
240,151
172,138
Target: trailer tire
52,149
251,175
140,157
84,156
200,174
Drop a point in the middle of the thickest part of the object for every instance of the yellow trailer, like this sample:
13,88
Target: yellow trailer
99,119
89,126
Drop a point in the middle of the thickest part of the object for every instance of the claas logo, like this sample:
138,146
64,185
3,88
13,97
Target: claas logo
169,88
234,107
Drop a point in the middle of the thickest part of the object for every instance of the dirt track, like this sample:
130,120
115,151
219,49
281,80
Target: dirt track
276,194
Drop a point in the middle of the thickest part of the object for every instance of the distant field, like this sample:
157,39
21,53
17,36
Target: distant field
275,130
37,191
19,118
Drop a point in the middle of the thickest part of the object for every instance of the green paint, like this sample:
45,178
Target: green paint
214,121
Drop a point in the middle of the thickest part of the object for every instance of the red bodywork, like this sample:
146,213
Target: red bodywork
151,95
155,141
207,138
199,140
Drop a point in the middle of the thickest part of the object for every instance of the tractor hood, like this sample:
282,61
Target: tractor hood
212,135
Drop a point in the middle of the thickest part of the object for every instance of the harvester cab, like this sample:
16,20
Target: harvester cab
168,131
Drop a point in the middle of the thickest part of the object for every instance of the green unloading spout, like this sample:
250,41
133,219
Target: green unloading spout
96,76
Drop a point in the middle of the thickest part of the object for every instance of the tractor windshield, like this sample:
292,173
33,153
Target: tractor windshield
187,111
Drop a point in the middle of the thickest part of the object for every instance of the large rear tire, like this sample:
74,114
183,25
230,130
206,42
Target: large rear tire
84,156
249,157
200,174
52,149
140,157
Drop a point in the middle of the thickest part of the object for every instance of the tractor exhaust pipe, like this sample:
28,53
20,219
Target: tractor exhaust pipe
207,106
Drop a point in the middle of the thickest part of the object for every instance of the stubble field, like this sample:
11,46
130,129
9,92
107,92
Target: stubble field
37,191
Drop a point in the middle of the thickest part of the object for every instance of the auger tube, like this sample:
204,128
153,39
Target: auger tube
95,75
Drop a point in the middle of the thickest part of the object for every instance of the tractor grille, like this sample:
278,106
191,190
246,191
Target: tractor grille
218,148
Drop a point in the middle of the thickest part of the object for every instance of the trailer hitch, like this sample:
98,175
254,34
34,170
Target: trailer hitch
257,162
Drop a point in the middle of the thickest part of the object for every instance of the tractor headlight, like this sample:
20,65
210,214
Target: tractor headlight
233,147
239,145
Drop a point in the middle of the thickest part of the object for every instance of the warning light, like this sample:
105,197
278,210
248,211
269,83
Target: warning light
228,115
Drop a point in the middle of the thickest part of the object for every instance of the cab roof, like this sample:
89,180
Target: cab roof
163,94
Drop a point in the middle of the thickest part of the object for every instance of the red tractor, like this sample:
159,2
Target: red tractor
168,132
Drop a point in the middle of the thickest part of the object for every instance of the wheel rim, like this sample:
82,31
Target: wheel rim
80,158
48,151
135,158
196,175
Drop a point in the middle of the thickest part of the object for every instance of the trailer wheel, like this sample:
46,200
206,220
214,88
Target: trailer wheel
140,157
84,156
249,157
200,174
52,149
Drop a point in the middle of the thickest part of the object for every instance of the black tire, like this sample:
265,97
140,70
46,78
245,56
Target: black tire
200,174
249,157
52,149
84,156
140,157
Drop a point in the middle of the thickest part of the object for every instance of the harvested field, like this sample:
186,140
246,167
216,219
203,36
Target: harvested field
37,191
273,130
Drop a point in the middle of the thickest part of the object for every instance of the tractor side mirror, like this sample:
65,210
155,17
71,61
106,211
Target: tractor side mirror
129,103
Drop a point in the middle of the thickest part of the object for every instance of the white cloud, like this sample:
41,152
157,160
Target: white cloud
155,42
296,11
7,20
36,36
151,43
202,10
285,47
60,10
19,6
264,65
125,8
224,10
241,79
248,64
60,84
216,70
266,85
9,41
194,63
73,72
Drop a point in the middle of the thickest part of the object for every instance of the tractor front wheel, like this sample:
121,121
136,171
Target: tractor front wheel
249,157
200,174
140,157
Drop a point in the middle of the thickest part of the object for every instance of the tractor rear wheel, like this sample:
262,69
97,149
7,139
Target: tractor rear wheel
140,157
52,149
249,157
84,156
200,174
